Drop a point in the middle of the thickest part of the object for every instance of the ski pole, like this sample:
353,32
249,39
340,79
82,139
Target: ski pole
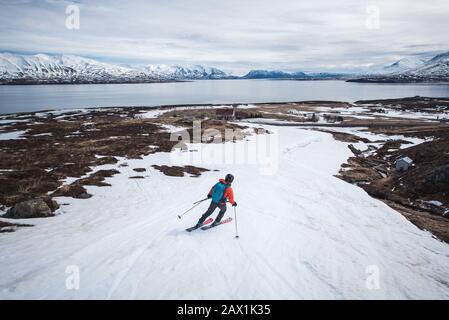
196,203
201,200
236,229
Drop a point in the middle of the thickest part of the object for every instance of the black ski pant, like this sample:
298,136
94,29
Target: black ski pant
211,210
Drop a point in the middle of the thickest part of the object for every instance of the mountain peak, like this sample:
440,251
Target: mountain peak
273,74
440,57
297,75
412,69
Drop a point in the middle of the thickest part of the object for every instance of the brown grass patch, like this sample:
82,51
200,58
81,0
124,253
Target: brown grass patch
10,227
177,171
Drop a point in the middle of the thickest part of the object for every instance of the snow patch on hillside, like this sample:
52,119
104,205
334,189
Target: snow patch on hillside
12,135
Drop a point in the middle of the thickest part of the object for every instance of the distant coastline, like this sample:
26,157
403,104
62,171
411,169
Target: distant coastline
19,82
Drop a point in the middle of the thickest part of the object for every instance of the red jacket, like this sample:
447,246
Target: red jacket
228,194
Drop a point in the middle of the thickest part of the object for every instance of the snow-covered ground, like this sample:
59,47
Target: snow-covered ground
363,133
3,122
12,135
361,112
303,234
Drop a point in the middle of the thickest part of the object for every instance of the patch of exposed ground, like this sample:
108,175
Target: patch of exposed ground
213,127
37,164
345,137
376,113
73,190
11,227
437,225
55,146
421,193
177,171
419,104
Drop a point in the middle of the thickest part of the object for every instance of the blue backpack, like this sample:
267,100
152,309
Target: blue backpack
218,192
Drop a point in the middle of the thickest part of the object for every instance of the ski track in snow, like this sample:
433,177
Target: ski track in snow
303,234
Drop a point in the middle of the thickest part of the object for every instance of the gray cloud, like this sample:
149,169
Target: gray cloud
234,35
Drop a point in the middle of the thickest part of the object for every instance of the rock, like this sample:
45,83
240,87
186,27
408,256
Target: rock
36,208
84,196
354,150
73,190
52,204
106,160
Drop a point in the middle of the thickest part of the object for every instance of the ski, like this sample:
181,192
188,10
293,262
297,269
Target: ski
221,222
208,220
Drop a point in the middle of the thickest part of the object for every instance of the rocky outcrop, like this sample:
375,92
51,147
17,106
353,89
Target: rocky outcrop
36,208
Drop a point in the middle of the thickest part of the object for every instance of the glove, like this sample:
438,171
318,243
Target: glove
235,204
209,196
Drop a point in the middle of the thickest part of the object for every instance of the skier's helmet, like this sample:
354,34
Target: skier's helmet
229,178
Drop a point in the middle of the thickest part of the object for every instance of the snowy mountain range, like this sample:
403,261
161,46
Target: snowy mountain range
298,75
48,69
404,64
408,69
42,68
273,74
411,69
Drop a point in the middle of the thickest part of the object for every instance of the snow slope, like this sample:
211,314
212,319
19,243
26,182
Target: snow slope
405,64
413,69
303,234
435,68
163,71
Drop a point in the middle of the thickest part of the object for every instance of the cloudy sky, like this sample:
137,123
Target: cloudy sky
235,35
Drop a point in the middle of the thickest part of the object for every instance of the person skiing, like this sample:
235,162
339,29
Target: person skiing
219,193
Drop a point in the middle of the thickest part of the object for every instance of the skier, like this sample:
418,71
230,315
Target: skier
219,193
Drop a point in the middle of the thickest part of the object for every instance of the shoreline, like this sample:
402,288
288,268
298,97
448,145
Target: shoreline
43,83
192,105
